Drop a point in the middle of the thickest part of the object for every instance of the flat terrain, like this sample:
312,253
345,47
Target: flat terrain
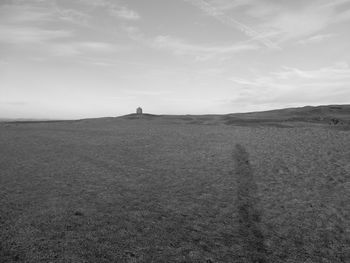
161,189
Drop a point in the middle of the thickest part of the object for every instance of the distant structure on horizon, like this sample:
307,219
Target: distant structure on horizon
139,111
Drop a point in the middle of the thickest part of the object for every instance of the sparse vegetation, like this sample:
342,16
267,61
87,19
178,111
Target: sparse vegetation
135,190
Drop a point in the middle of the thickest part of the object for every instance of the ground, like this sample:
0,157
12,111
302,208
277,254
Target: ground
157,189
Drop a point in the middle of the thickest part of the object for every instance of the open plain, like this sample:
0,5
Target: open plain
171,189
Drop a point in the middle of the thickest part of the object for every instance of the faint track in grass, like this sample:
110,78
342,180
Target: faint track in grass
249,218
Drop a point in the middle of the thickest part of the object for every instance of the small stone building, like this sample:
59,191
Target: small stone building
139,111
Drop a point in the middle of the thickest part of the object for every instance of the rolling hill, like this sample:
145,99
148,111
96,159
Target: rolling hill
281,117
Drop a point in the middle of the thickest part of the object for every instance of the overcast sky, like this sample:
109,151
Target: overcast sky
90,58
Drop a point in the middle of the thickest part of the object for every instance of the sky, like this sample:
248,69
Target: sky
71,59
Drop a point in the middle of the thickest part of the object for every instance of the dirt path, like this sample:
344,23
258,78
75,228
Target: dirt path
248,215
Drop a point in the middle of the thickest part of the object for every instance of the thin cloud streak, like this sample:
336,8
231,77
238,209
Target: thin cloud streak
17,14
229,21
114,9
293,85
201,52
298,23
338,72
181,47
73,16
281,22
86,47
124,13
22,35
316,39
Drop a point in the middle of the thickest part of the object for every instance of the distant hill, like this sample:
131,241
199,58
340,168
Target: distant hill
21,120
304,114
311,114
328,114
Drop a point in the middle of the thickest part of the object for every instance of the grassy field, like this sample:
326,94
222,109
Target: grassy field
160,189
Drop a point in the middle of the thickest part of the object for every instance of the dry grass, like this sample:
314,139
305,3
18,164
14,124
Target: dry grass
152,191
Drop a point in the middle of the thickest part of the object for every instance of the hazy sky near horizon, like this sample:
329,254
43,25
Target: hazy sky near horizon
91,58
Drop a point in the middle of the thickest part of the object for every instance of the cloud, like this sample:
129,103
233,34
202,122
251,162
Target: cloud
114,8
219,15
277,21
96,3
3,62
80,13
291,25
24,13
73,16
200,52
335,3
24,35
315,39
225,5
124,13
343,17
338,71
179,46
35,13
78,48
289,22
14,103
292,85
